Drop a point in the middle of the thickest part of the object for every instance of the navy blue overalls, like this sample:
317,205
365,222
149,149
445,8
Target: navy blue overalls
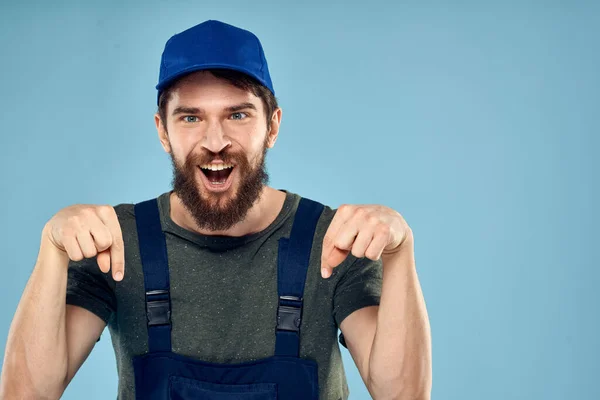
162,374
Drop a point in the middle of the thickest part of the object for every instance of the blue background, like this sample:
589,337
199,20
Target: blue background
476,121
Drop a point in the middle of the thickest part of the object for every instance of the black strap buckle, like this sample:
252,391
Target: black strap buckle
158,307
289,313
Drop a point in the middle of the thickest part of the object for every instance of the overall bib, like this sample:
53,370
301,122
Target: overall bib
161,374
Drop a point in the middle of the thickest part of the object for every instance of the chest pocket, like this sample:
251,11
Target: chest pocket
191,389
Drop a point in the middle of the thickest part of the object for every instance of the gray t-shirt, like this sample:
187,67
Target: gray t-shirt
224,296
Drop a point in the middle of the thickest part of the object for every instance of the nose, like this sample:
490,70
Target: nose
215,139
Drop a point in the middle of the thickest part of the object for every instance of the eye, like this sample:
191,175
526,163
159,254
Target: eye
190,118
239,115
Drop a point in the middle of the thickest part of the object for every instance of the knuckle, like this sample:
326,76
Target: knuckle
103,242
356,253
90,253
371,255
105,210
372,219
74,255
384,229
344,208
360,212
88,209
87,212
74,221
89,250
67,231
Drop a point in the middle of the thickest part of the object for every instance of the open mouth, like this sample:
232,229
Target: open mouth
217,176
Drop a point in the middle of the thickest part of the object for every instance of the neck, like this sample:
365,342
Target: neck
259,217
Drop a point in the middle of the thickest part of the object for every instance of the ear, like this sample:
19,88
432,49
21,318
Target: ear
163,135
274,128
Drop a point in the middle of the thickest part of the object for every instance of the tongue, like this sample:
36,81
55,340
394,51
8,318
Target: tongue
218,176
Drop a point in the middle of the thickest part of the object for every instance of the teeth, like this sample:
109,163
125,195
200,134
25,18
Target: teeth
216,167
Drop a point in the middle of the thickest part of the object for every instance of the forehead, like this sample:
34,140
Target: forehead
204,90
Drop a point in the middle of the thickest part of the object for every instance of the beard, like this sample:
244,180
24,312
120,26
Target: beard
220,211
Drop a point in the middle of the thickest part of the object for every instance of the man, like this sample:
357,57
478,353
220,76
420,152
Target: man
223,287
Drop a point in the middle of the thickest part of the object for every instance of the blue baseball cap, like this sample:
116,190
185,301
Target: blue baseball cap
213,44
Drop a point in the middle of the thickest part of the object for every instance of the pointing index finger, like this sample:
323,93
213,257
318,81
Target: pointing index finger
338,220
117,248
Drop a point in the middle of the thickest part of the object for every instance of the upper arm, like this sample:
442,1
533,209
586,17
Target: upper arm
358,329
83,328
91,303
356,303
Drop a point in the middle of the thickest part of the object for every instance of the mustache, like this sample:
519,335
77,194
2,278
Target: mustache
227,157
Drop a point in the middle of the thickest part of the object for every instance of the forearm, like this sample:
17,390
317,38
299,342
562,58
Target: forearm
400,359
35,361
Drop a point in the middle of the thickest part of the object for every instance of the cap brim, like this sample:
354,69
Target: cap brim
202,67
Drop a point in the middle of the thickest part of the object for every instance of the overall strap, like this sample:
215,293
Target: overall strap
153,252
292,266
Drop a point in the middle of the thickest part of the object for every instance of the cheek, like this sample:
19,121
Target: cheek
182,147
248,141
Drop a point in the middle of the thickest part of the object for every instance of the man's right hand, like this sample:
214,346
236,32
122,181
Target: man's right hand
86,231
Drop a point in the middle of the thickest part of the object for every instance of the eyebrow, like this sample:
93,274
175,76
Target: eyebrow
242,106
196,110
186,110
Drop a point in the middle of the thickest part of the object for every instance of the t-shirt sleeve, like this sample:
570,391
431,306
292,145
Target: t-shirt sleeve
359,287
90,288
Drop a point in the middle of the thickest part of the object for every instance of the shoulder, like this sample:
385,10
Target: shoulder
325,217
126,214
327,213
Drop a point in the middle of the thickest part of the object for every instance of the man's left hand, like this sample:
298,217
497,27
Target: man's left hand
365,231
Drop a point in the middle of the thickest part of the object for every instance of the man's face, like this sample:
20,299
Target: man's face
211,123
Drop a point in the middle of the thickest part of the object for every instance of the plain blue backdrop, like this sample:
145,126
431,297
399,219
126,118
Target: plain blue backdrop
477,121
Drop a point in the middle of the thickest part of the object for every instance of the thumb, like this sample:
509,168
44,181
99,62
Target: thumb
334,259
103,259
